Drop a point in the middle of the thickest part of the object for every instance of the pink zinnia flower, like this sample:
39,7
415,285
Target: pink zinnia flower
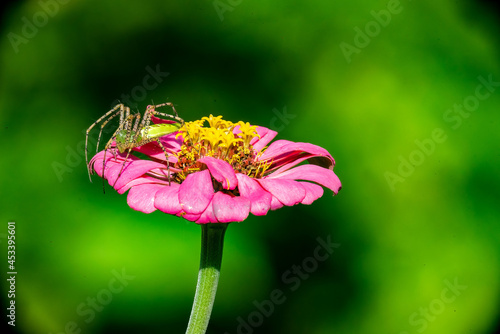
219,173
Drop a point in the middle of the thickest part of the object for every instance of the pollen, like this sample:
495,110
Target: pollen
223,140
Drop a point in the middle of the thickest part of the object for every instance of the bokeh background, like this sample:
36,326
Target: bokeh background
377,83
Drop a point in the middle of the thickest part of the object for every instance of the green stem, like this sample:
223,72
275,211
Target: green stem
212,240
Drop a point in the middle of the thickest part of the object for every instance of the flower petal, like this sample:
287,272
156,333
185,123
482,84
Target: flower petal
259,198
141,180
288,192
266,135
222,171
207,216
96,163
229,208
131,170
141,198
153,150
167,199
158,120
276,147
196,192
189,216
320,175
276,204
313,192
284,149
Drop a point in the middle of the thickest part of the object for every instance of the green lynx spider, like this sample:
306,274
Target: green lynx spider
134,132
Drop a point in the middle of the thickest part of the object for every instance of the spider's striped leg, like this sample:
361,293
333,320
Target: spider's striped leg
130,145
176,118
95,123
120,112
108,145
166,157
152,111
169,104
146,120
124,115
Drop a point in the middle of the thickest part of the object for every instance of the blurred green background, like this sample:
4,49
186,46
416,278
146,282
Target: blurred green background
379,84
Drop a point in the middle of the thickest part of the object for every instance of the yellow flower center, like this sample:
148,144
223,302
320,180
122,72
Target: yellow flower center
218,141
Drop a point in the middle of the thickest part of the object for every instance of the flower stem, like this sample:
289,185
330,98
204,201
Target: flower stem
212,240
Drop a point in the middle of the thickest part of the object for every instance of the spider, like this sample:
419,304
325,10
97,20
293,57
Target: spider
134,131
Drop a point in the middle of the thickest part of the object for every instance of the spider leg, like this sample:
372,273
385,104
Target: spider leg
169,104
146,120
123,166
90,128
166,157
150,112
108,145
130,145
131,129
120,112
176,117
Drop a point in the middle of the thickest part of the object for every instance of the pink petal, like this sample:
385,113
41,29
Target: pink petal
157,120
313,192
162,173
196,192
154,151
259,198
167,199
131,170
288,192
320,175
275,148
281,149
222,171
287,162
142,198
207,216
96,162
189,216
229,208
266,135
276,204
139,181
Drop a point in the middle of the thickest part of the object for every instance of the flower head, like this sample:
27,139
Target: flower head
219,173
